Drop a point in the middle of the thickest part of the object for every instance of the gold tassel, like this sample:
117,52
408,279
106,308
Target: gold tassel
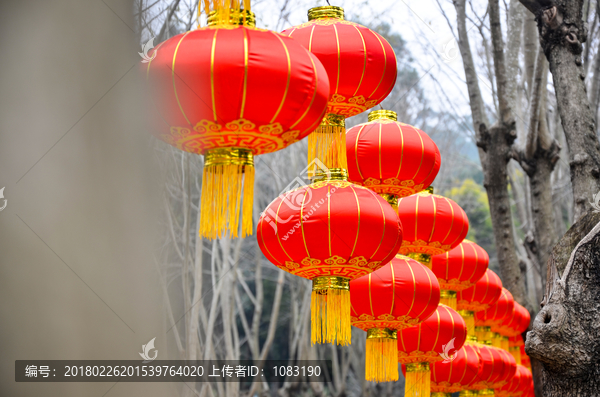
497,340
468,393
516,353
487,392
423,259
441,394
505,345
381,364
418,380
226,172
484,334
469,318
328,144
448,298
330,308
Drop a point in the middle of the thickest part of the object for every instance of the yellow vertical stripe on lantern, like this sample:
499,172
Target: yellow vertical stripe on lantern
227,190
418,380
330,310
381,364
448,298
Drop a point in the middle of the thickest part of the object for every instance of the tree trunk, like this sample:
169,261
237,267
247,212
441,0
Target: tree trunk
565,332
562,33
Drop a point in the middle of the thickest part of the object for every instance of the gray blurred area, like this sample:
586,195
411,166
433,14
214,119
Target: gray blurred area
78,278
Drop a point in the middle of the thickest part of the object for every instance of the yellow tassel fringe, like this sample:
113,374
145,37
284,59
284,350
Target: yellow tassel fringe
330,319
328,144
381,364
227,190
418,380
516,353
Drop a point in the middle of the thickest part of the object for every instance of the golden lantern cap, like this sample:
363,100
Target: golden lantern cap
325,12
236,17
383,114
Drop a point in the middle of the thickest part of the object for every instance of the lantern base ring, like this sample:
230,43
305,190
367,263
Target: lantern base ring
486,392
417,367
392,199
469,393
229,156
424,259
322,284
381,333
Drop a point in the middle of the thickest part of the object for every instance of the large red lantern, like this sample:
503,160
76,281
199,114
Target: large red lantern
431,341
401,294
482,295
432,225
459,269
330,232
495,314
391,158
230,93
450,376
362,69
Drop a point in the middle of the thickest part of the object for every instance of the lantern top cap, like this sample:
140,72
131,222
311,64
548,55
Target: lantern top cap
332,174
325,12
236,17
383,114
429,190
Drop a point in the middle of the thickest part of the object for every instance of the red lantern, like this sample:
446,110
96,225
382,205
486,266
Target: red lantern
497,368
517,324
391,158
230,93
482,295
493,316
431,341
454,375
459,269
511,389
361,66
330,232
525,381
432,225
401,294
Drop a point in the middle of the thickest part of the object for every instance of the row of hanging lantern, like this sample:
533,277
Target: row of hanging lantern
383,252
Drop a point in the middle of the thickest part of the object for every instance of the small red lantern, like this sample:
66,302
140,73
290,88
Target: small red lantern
330,232
391,158
497,368
482,295
511,389
362,69
229,93
431,341
459,269
401,294
432,225
454,375
494,315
